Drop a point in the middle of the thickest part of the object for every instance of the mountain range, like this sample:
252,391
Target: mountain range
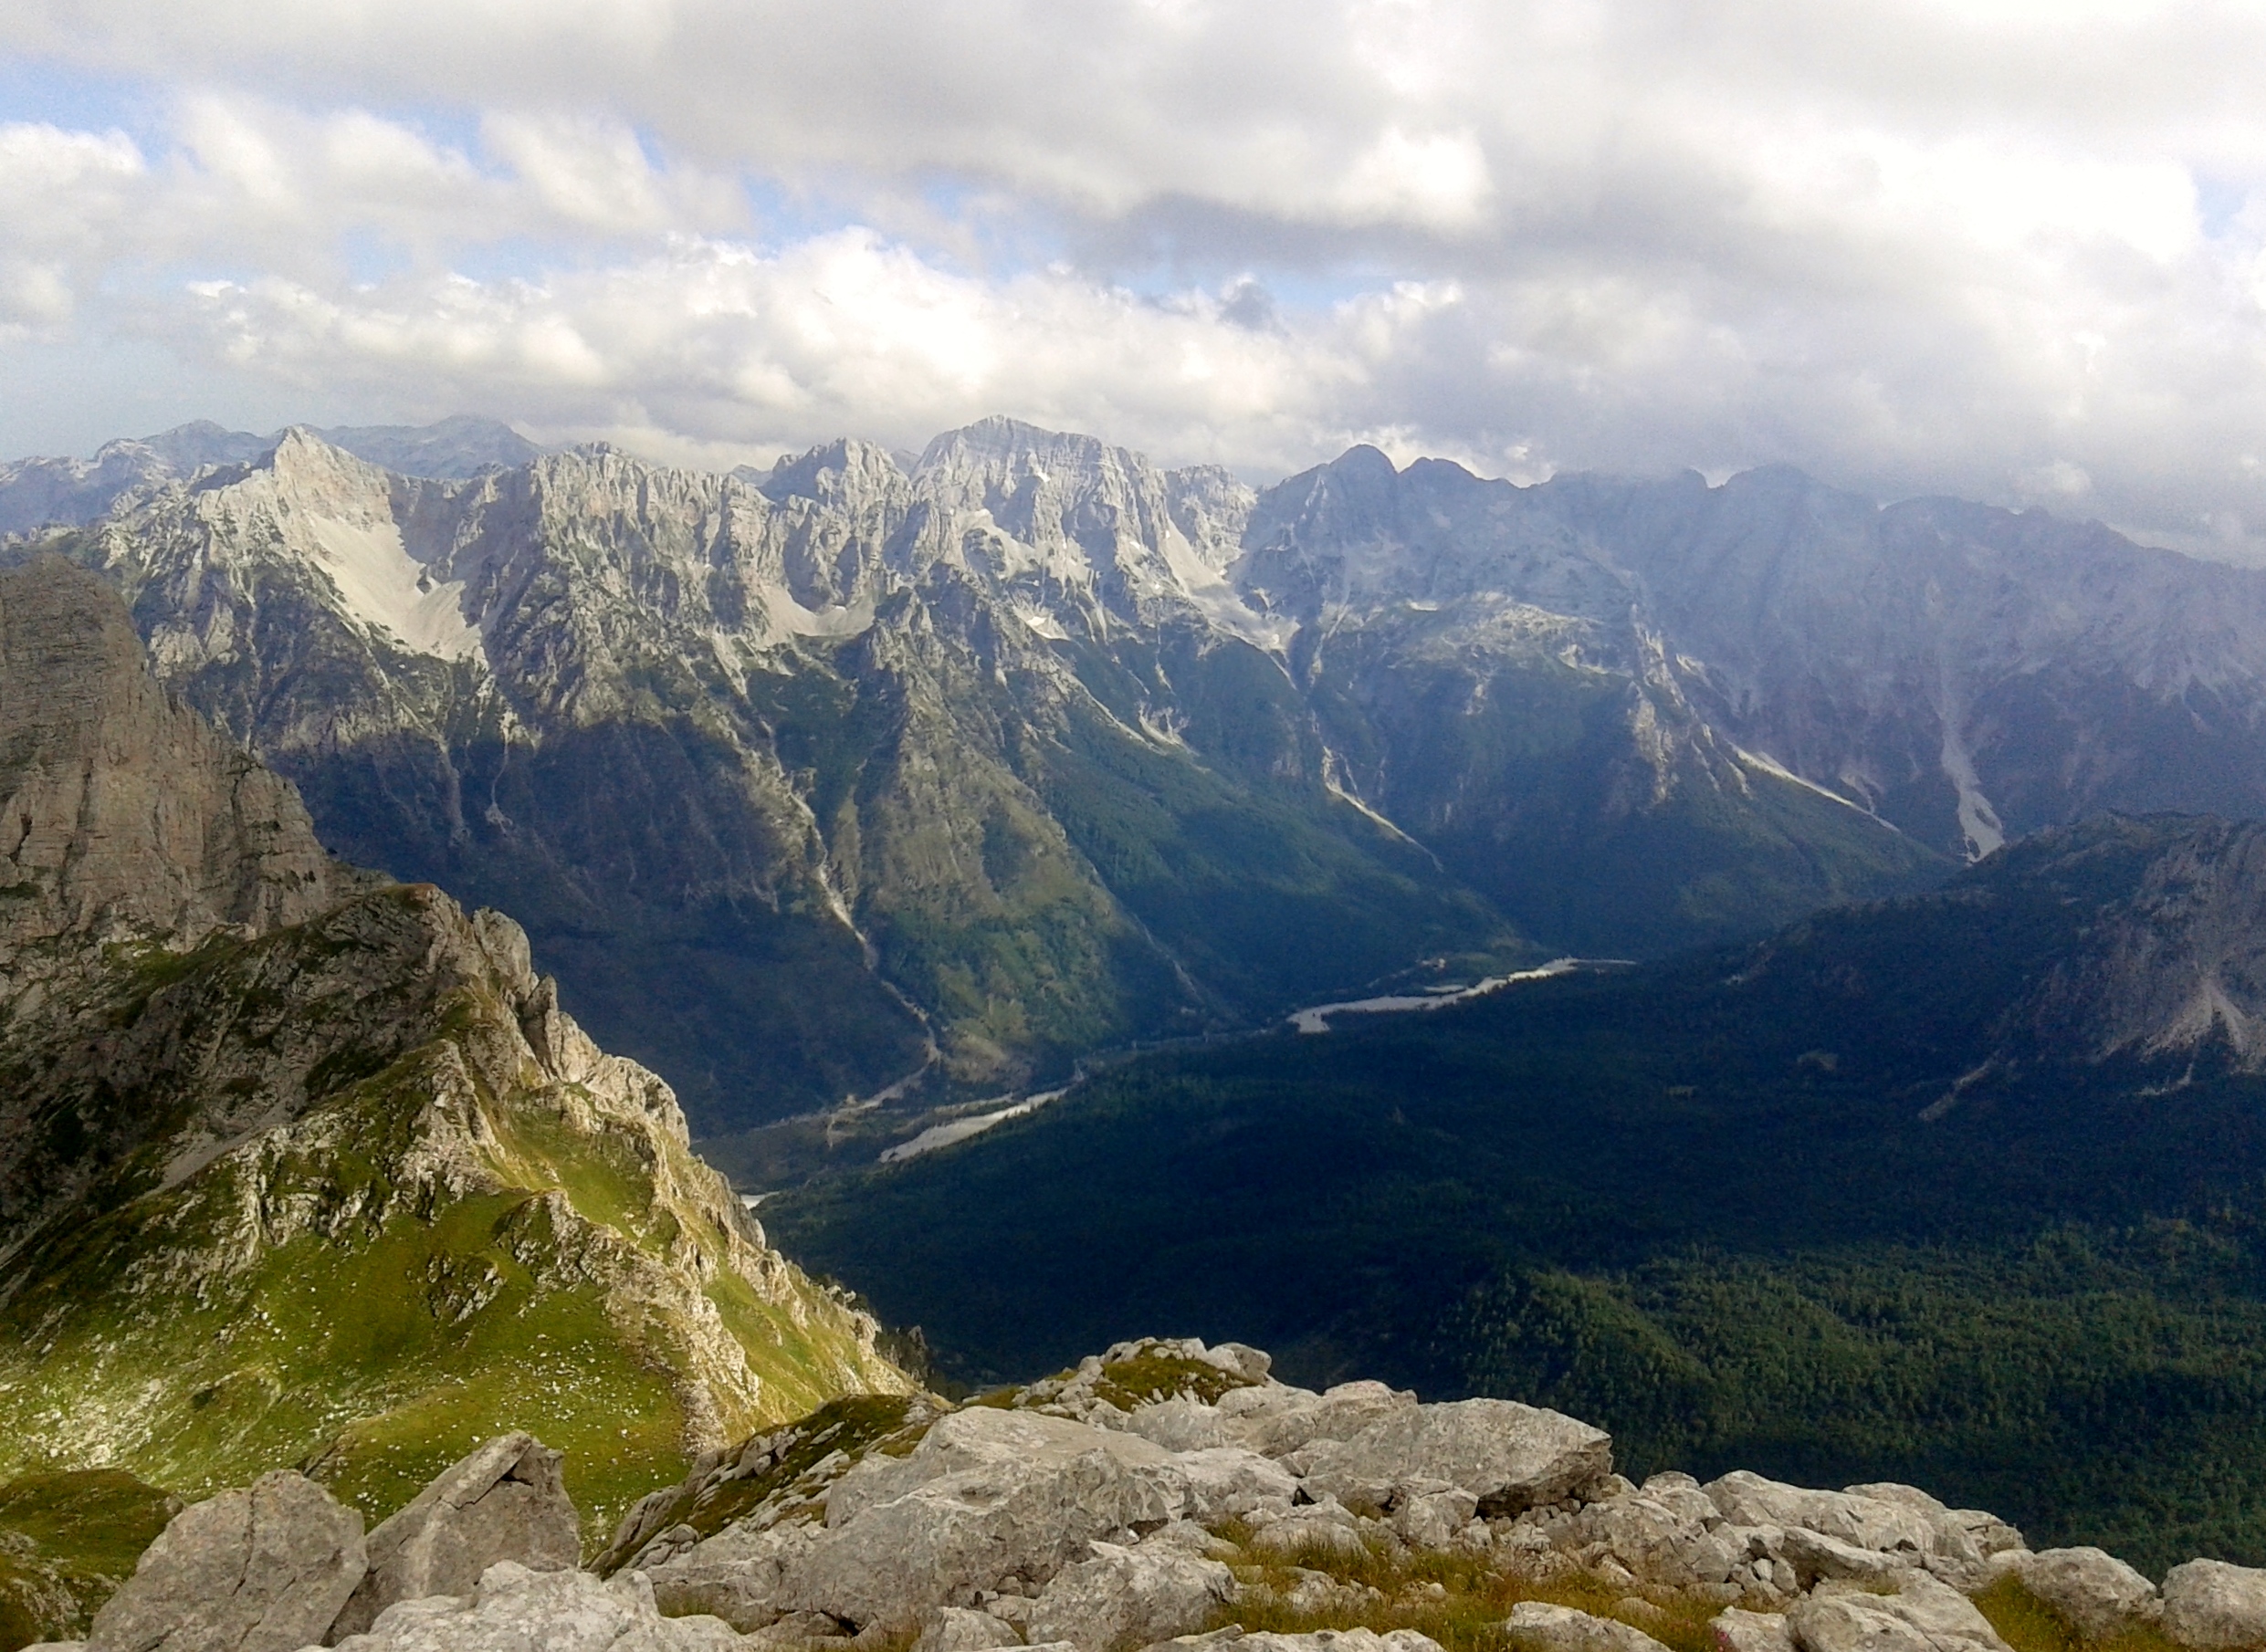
848,776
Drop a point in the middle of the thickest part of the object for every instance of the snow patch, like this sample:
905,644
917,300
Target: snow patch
384,586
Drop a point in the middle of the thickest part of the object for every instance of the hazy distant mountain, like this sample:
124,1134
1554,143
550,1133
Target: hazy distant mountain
35,492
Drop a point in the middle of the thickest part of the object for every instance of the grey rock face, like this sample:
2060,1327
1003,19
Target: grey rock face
1549,1628
122,811
1123,1597
261,1570
2098,1594
2209,1604
1507,1455
513,1609
505,1501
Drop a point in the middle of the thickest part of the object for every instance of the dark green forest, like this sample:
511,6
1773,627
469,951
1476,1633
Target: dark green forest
1836,1208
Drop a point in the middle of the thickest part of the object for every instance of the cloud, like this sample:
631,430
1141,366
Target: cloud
1999,246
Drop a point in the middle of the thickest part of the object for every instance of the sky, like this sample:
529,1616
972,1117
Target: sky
2009,249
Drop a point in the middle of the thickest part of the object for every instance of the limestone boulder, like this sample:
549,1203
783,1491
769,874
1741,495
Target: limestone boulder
1228,1482
1436,1518
1180,1423
260,1570
989,1496
1668,1533
1739,1631
1925,1614
1816,1557
734,1576
2209,1604
1509,1456
958,1629
1859,1522
512,1608
2097,1593
1547,1628
1275,1421
505,1501
1125,1598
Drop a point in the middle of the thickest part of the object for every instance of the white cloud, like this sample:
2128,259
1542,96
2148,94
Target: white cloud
1990,246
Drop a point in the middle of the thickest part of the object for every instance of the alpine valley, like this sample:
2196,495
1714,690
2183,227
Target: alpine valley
1828,940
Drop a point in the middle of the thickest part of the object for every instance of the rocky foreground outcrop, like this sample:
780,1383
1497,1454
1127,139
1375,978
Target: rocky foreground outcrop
1167,1497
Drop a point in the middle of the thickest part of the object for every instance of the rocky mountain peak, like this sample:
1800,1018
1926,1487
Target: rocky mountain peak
123,811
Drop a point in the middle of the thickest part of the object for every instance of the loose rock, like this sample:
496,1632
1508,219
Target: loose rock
505,1501
2208,1603
2097,1593
263,1570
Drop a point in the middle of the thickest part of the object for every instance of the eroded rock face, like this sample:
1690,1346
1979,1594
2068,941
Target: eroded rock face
1507,1455
2209,1604
513,1609
506,1502
260,1570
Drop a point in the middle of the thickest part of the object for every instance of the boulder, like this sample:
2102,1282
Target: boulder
983,1439
263,1570
1229,1482
1549,1628
1737,1631
512,1608
1667,1533
2097,1593
1507,1455
1862,1522
1815,1557
734,1576
505,1501
1275,1422
1434,1519
1319,1640
1925,1614
1317,1531
2209,1604
1179,1423
958,1629
1129,1597
1960,1528
987,1496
